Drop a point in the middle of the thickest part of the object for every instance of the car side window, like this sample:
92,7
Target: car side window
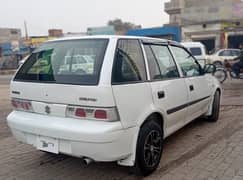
235,53
161,63
196,51
225,53
188,64
129,63
43,63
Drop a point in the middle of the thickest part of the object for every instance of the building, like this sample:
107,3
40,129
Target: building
10,41
174,9
217,24
55,33
74,34
9,35
166,32
35,41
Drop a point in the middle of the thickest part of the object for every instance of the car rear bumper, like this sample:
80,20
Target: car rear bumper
100,141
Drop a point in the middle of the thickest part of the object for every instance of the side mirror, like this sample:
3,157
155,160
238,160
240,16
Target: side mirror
209,69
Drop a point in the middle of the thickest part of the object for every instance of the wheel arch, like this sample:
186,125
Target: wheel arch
218,61
158,117
219,90
211,103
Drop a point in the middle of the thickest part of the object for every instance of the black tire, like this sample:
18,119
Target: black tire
149,148
45,152
220,74
216,108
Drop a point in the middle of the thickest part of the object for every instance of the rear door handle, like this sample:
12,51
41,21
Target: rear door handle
161,94
191,87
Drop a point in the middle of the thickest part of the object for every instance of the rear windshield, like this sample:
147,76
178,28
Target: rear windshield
196,51
65,62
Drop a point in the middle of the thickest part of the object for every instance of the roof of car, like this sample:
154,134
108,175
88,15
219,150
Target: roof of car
229,49
147,39
192,43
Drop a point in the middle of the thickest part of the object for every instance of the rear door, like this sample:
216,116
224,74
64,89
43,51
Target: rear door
196,82
169,91
131,90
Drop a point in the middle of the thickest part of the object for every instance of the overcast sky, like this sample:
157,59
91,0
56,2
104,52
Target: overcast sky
77,15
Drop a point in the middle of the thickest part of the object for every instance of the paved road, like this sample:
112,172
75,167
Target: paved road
233,93
201,150
5,79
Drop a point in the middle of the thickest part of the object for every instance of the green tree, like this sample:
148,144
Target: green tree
121,26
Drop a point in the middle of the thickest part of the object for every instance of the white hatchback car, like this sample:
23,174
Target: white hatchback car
139,91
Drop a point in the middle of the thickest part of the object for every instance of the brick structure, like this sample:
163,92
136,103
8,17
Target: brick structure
217,24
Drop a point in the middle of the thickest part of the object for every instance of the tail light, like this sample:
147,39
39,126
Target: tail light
100,114
22,105
89,113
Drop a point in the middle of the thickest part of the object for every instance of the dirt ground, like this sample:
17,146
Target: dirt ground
201,150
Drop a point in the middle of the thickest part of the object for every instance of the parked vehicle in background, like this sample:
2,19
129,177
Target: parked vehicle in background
198,50
79,63
138,92
221,55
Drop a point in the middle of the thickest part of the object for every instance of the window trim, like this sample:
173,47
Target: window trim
114,59
165,45
156,60
183,76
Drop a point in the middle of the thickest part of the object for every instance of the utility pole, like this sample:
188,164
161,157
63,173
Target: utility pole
26,31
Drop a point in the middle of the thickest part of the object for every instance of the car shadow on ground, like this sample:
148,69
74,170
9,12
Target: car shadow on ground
174,148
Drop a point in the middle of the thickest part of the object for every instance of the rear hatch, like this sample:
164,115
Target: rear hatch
62,78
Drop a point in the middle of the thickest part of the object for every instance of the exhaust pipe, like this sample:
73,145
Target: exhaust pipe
87,161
